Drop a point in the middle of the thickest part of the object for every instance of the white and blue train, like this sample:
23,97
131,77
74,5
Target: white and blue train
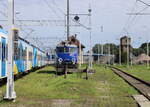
26,55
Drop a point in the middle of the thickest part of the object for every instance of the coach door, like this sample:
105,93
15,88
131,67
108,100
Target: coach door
25,58
35,57
3,57
20,58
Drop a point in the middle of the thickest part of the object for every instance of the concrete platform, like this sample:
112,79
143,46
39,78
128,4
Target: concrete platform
142,100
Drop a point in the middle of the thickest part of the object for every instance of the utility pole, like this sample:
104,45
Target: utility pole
68,33
10,92
102,29
80,54
128,53
102,49
90,30
98,52
120,54
131,53
147,54
113,54
119,51
68,19
109,54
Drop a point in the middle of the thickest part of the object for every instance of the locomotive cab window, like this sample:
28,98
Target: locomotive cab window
62,49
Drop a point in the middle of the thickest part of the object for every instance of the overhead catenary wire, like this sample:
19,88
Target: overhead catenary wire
51,8
5,6
60,10
144,2
135,16
4,14
131,20
130,23
127,22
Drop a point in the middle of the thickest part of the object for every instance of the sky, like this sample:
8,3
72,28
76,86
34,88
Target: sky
113,15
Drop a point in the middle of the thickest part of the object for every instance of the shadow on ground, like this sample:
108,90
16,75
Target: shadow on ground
50,72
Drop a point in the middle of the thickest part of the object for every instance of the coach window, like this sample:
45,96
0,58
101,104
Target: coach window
0,50
37,57
24,54
3,51
30,56
19,53
6,52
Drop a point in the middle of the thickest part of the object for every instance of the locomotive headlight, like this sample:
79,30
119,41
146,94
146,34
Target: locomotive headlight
60,60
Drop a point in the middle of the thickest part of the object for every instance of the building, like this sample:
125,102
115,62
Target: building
125,42
141,59
126,48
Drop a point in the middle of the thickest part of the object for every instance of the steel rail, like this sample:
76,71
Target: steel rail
140,85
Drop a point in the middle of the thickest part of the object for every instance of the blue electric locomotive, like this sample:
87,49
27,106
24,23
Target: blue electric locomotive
67,55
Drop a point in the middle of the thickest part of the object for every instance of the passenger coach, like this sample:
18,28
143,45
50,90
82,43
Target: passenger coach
26,55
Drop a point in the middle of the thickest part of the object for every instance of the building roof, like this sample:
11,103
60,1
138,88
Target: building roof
125,37
72,41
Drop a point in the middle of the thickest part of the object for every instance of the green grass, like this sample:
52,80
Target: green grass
42,88
140,71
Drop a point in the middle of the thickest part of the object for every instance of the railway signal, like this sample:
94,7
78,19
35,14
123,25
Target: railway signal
76,18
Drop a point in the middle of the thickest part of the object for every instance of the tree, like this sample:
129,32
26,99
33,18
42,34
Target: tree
141,49
114,49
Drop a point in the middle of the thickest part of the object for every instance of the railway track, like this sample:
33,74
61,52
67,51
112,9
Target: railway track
142,86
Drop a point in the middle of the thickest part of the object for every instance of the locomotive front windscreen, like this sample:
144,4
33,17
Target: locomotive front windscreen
66,49
62,49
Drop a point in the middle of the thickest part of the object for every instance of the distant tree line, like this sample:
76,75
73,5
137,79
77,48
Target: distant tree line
114,50
141,49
